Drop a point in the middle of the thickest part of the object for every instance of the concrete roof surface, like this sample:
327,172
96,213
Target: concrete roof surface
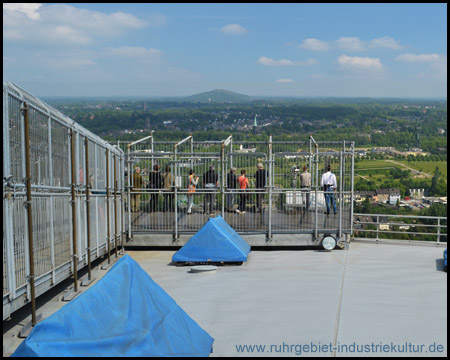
369,300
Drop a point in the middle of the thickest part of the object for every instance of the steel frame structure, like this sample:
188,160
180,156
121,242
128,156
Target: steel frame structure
58,179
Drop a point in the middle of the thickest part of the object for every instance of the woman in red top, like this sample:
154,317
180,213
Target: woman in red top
243,184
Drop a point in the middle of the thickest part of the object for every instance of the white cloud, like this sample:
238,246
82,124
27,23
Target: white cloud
439,69
30,10
134,51
271,62
234,29
355,63
66,33
314,44
66,25
284,81
436,64
350,44
69,63
385,42
421,58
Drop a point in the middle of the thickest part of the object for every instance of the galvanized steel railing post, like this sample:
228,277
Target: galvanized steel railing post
341,172
192,151
222,155
108,230
175,234
152,147
438,239
74,214
115,203
122,205
316,219
378,228
88,220
29,212
269,229
129,191
352,182
231,153
310,160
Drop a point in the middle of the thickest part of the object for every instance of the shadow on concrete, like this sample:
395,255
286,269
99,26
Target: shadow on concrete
440,264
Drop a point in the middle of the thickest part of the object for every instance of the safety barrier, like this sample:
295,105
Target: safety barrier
62,198
275,203
403,228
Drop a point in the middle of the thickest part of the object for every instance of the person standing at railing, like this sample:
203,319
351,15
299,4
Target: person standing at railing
329,184
137,185
231,186
305,185
168,189
210,183
260,184
192,183
243,185
155,183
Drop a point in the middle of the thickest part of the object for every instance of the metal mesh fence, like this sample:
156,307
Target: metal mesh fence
162,199
50,168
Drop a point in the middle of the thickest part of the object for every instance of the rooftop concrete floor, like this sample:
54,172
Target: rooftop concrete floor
385,298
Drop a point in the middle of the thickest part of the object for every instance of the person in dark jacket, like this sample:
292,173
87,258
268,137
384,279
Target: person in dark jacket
155,183
210,183
260,184
231,186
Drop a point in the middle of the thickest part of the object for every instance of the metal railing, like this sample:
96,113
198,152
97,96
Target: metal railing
404,228
62,193
276,205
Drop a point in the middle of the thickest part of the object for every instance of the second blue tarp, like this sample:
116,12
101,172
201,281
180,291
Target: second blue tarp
216,241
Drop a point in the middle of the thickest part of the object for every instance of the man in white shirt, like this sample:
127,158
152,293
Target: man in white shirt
329,184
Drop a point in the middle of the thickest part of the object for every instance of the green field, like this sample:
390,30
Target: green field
378,171
375,167
370,166
428,166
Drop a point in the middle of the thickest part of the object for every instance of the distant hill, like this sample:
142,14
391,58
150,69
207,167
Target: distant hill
218,95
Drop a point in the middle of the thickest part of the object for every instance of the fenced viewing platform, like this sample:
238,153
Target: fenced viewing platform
70,198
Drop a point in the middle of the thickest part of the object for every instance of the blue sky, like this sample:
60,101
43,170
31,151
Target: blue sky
369,50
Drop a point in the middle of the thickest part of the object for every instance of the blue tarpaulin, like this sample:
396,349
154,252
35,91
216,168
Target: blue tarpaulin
216,241
445,259
124,314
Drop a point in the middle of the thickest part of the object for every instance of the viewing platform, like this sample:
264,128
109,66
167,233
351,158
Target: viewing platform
72,201
370,295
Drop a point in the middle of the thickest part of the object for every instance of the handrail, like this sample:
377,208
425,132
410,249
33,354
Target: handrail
438,234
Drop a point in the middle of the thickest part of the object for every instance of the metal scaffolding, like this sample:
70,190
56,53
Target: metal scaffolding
276,205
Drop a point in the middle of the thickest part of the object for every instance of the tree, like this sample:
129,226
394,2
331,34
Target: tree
435,180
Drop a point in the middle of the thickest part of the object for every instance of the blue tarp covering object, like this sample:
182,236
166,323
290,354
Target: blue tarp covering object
124,314
216,241
445,259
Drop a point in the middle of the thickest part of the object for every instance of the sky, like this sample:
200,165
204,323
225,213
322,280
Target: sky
117,49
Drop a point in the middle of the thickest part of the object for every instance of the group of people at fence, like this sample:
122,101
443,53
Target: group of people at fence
165,183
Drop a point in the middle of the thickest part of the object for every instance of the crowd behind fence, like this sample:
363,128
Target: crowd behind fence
276,204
